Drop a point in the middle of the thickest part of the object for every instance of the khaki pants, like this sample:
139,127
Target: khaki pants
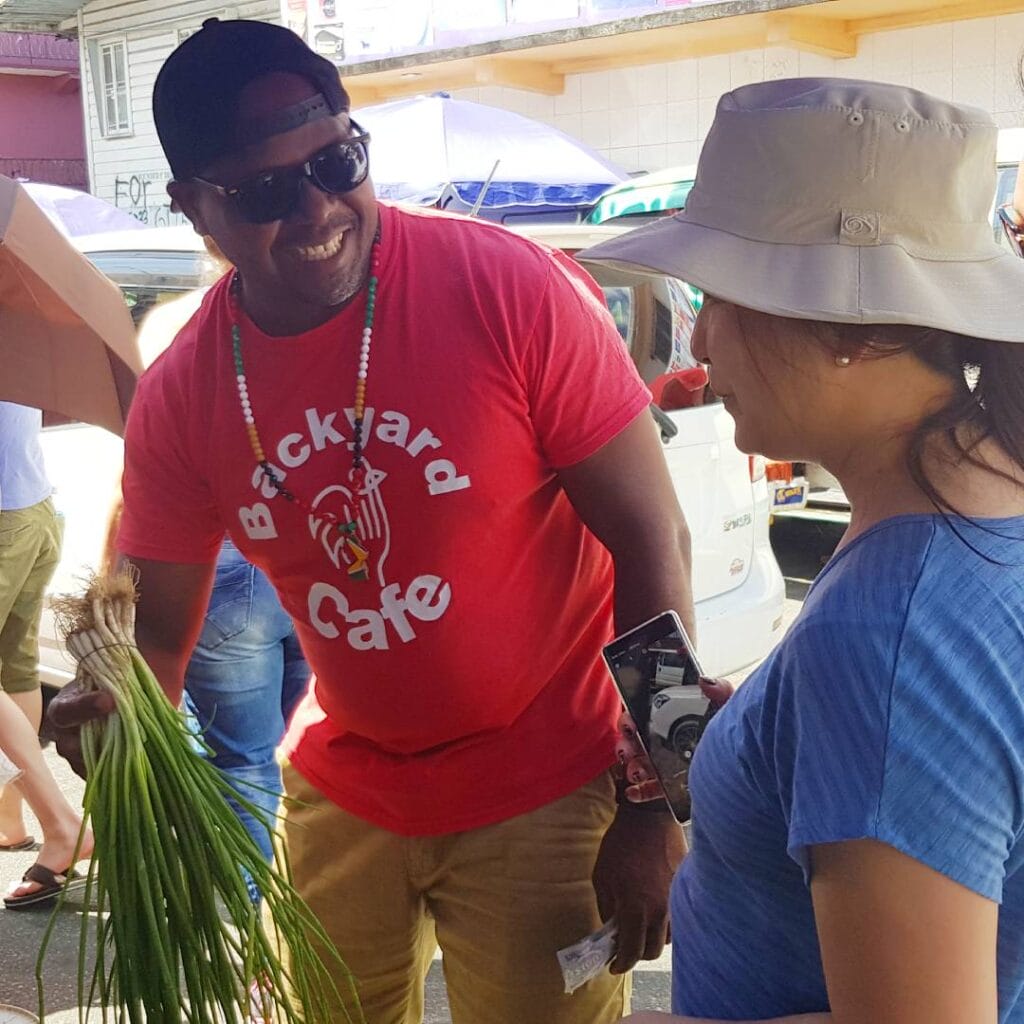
499,900
29,552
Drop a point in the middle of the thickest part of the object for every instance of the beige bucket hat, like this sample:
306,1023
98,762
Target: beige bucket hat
842,201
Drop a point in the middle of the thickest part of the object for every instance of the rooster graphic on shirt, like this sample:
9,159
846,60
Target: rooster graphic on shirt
369,615
367,510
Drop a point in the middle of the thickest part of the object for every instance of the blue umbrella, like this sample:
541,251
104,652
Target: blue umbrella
434,150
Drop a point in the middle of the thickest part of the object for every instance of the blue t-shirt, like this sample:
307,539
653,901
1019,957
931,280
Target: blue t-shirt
23,481
892,710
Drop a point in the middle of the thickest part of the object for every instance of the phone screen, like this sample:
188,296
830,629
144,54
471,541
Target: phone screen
657,676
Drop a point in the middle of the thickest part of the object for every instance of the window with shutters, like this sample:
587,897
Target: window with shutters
112,79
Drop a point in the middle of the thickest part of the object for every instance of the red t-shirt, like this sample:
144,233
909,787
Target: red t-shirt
462,684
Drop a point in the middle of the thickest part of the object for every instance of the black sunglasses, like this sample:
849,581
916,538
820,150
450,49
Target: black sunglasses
1012,228
273,195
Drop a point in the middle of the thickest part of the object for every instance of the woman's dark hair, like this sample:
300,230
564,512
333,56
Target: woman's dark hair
987,378
987,400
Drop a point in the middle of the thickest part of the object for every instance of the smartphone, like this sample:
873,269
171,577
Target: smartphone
657,674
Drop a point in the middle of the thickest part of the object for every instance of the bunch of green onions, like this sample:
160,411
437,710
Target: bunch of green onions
178,937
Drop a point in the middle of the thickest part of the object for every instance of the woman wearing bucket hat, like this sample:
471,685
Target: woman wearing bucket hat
858,805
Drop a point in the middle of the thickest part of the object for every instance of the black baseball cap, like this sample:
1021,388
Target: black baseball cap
195,98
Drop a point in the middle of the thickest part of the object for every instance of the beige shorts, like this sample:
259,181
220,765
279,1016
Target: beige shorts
500,901
29,552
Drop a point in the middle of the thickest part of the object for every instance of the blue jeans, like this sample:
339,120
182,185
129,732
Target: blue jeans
245,677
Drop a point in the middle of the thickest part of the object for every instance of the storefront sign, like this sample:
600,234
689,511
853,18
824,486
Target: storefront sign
350,31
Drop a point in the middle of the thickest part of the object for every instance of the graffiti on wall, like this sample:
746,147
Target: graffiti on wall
144,196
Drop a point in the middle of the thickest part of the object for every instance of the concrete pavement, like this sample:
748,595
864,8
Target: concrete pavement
21,932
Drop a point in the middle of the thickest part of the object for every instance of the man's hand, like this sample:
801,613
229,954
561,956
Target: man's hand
642,784
638,857
68,712
718,691
641,851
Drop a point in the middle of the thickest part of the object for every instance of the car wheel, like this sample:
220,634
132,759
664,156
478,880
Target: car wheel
684,736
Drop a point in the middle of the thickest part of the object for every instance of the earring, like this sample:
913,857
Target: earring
843,360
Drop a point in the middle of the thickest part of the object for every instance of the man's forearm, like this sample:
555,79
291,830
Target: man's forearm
173,598
168,668
652,578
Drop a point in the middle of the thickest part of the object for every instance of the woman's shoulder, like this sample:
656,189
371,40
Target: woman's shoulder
872,578
176,334
902,539
917,596
917,557
165,322
185,347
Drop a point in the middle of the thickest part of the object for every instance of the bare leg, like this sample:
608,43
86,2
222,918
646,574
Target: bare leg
59,821
12,821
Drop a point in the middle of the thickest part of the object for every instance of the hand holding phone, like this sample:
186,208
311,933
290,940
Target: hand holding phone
642,785
660,681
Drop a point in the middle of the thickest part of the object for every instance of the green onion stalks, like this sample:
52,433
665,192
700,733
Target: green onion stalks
177,935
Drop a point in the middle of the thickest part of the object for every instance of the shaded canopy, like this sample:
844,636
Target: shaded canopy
67,343
427,146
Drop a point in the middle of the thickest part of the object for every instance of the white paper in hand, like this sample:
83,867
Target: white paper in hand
587,958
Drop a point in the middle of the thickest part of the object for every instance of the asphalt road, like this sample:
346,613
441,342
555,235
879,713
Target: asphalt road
802,548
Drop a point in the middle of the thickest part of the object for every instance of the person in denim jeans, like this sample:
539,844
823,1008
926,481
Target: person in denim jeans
247,672
245,677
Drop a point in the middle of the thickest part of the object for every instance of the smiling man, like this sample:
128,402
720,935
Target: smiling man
427,433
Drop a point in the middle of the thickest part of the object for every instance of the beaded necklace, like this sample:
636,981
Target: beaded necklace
358,569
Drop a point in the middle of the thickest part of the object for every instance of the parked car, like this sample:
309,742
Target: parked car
679,715
738,586
645,197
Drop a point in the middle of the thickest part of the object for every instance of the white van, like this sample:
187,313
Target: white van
737,583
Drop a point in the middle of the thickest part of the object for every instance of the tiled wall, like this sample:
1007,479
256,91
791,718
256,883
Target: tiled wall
650,117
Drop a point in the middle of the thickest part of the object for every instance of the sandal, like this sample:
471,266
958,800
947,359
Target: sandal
52,884
24,844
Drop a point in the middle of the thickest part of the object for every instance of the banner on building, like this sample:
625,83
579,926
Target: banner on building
351,31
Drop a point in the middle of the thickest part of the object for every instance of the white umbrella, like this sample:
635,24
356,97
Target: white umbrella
79,213
428,146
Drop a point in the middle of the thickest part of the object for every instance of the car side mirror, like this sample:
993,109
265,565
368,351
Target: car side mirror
666,424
